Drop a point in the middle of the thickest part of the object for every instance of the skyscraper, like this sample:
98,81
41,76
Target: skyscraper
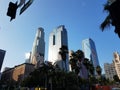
89,49
57,39
2,55
38,49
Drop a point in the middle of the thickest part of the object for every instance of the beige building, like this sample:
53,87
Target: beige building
117,63
109,70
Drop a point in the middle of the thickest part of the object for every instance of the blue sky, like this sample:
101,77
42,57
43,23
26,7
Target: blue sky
82,19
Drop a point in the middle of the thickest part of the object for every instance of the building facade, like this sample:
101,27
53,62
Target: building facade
2,55
109,70
17,73
38,49
57,39
116,62
89,49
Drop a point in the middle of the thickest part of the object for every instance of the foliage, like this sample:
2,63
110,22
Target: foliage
50,76
116,78
98,70
63,51
75,60
113,16
38,77
89,66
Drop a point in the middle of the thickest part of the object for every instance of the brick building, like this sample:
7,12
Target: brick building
17,73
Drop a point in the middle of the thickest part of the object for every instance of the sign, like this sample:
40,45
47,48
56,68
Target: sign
26,6
12,9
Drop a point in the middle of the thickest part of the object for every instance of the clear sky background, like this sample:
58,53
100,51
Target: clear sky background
82,19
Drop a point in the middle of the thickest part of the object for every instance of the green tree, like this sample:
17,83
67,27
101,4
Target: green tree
99,76
89,66
86,62
63,51
90,69
52,77
113,17
72,81
116,78
99,70
39,77
75,60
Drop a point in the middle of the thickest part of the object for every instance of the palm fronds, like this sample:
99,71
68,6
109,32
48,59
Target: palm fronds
106,23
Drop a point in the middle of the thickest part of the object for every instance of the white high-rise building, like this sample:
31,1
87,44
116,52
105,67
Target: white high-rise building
109,70
38,49
57,39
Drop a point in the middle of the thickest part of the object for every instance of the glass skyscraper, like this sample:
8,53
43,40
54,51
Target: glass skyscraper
57,39
89,50
2,55
38,49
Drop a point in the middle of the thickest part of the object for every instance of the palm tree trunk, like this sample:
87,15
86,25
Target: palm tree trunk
62,65
46,81
65,65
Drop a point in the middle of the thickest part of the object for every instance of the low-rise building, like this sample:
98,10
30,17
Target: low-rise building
109,70
17,73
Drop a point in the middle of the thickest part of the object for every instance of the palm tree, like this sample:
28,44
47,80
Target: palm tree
89,66
76,59
73,63
91,69
79,55
113,17
116,78
98,70
63,51
99,77
86,62
71,81
39,77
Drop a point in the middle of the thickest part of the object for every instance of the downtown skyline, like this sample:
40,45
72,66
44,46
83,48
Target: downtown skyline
81,18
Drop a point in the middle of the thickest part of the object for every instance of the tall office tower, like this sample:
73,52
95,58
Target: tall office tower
89,50
38,49
109,70
2,55
117,63
57,39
